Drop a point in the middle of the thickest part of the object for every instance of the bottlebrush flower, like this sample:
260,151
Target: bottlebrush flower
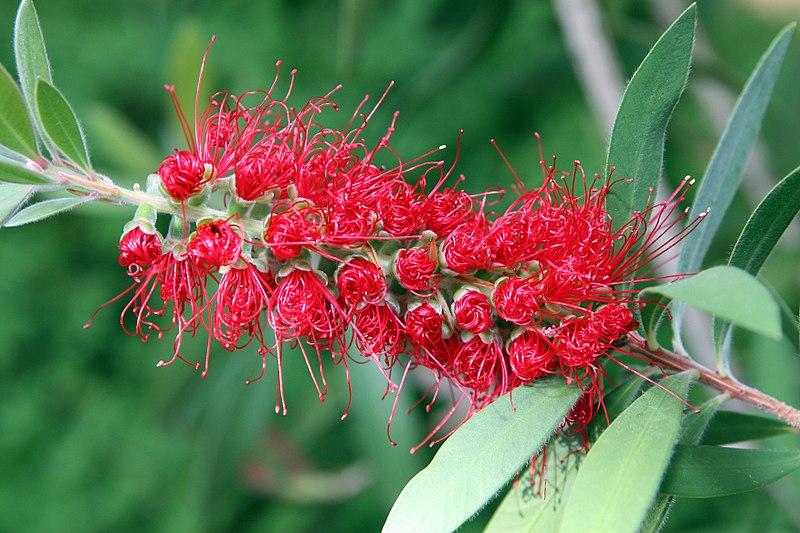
336,253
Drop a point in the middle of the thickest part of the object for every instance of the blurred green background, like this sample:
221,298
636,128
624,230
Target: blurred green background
94,438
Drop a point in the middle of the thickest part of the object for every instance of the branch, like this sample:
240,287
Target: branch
673,361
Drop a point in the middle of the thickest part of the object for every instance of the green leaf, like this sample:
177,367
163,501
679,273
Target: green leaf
758,238
47,208
692,429
636,149
31,55
479,458
731,426
523,510
60,124
16,173
724,172
729,293
12,195
713,471
620,475
16,131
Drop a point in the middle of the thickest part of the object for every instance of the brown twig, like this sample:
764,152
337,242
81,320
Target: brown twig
673,361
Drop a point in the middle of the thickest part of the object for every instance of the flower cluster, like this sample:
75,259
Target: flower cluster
324,249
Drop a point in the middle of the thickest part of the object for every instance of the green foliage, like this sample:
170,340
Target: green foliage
12,172
724,172
12,196
16,131
628,461
729,427
729,293
47,208
60,125
479,459
636,149
715,471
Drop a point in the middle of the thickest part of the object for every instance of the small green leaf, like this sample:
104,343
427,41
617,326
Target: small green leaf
12,196
713,471
758,238
636,149
47,208
32,62
16,173
16,131
731,294
731,426
60,124
620,475
479,458
724,172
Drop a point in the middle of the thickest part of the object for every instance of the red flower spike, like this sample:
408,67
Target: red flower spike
215,244
414,269
472,311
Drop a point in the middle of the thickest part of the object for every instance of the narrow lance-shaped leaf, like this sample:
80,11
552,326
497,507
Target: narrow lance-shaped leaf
620,475
479,458
713,471
729,293
11,172
30,53
536,503
60,124
724,172
692,429
732,426
16,131
12,195
636,149
757,240
45,209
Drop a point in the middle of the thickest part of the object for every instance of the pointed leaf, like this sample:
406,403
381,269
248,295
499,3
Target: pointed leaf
620,475
758,238
713,471
16,173
60,124
479,458
729,293
731,426
16,131
724,172
637,138
32,62
47,208
12,196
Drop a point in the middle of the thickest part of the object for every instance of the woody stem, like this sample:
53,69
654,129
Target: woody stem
735,389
